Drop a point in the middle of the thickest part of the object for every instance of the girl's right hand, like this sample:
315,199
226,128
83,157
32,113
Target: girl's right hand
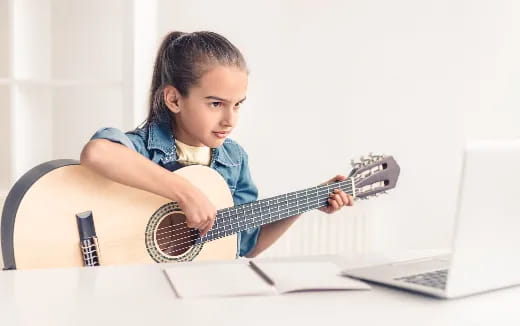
200,212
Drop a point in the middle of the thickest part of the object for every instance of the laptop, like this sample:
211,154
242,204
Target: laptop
485,252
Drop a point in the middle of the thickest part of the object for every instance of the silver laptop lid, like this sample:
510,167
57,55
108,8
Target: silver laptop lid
486,244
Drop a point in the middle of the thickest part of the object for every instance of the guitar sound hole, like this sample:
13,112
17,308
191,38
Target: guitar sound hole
173,236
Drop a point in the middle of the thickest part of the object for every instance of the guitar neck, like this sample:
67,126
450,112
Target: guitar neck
254,214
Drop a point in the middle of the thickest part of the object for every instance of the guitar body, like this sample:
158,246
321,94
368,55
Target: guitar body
39,227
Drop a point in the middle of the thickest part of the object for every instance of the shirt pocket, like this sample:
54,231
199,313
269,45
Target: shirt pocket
230,175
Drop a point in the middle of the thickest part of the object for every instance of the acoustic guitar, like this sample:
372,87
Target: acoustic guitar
61,214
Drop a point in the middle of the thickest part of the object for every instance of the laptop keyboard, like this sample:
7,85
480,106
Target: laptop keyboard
435,279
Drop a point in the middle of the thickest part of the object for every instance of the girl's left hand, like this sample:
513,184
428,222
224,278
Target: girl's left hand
338,198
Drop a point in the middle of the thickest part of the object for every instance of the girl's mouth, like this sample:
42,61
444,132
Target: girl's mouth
221,134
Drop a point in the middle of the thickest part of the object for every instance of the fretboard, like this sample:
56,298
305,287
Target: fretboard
254,214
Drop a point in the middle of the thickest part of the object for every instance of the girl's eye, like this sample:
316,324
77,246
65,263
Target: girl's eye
216,104
237,106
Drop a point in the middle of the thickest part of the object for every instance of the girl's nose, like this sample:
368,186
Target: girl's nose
229,117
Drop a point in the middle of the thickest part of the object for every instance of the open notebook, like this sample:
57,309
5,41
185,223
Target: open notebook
221,279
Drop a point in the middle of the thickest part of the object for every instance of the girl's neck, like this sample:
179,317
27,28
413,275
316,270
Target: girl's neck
179,136
177,140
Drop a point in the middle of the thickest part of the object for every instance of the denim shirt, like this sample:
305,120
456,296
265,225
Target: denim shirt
157,143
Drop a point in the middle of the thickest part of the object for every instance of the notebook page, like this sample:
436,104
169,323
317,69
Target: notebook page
216,279
308,276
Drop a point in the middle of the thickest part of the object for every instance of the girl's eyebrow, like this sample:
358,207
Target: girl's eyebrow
222,99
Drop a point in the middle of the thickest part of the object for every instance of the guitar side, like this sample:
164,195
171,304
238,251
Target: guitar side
45,230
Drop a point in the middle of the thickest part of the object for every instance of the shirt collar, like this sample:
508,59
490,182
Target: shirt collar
222,156
161,137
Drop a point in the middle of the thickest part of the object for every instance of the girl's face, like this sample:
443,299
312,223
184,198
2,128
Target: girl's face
210,111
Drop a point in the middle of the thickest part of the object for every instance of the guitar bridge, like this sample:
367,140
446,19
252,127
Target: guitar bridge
88,239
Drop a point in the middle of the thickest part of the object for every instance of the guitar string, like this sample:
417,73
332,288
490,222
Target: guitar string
309,198
193,230
190,243
321,192
235,207
245,222
324,190
313,197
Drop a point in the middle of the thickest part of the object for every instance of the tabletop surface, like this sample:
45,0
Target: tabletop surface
141,294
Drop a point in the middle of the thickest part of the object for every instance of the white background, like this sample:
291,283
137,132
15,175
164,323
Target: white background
329,81
332,80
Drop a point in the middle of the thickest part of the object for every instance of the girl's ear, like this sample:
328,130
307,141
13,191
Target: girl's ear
171,98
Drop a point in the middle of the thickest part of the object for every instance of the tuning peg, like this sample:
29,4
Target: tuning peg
375,157
366,161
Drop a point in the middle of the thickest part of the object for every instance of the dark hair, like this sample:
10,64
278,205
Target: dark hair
182,60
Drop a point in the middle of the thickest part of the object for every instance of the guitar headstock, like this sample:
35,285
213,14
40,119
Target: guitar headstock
374,175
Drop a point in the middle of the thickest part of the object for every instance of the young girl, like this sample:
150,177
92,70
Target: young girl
199,82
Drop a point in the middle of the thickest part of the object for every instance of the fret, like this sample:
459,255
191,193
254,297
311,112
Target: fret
233,221
230,216
300,193
298,205
317,196
217,220
307,199
330,188
278,210
250,211
292,202
250,215
256,210
292,198
273,208
270,214
301,208
260,211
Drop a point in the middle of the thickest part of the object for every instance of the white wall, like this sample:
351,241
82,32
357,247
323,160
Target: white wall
332,80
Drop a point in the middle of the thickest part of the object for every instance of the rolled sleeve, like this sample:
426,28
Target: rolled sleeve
245,192
129,140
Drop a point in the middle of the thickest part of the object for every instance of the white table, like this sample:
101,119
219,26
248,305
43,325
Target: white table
141,295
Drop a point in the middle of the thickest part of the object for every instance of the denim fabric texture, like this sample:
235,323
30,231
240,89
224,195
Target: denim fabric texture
156,142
